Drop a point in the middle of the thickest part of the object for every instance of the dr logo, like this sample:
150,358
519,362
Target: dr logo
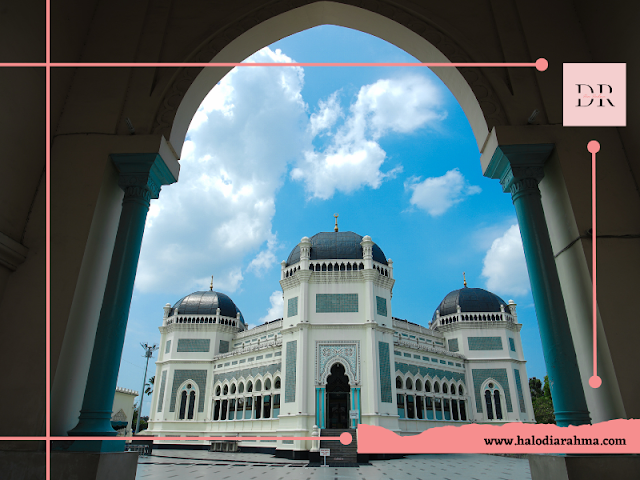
591,96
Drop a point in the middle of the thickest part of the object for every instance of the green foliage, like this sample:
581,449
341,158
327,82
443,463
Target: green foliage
149,385
542,401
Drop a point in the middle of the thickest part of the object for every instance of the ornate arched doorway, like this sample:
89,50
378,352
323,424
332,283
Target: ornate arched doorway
338,398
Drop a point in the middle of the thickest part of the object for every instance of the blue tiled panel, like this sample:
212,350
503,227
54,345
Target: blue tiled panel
500,376
259,357
193,344
396,352
485,343
290,379
430,371
198,376
336,303
163,384
224,346
278,354
519,388
292,307
408,355
382,306
453,345
167,347
385,372
443,362
512,344
247,372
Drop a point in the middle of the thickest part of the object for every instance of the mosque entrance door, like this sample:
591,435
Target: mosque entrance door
338,398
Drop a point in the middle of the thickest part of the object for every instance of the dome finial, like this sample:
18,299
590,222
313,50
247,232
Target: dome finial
211,286
465,279
335,229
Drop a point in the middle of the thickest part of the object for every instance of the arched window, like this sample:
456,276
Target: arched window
409,384
183,404
311,267
444,388
267,384
436,387
361,266
460,390
249,387
418,385
453,389
241,388
317,267
324,267
258,385
225,390
398,382
276,383
233,389
192,403
348,267
493,401
342,267
427,386
330,268
218,390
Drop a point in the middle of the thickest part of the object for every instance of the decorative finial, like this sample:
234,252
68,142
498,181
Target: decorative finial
465,279
211,286
335,229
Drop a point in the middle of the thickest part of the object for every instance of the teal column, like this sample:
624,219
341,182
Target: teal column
520,169
358,406
353,401
323,400
141,177
318,407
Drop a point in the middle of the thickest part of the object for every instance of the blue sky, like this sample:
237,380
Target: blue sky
273,153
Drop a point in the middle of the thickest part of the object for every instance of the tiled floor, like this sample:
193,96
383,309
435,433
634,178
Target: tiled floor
195,464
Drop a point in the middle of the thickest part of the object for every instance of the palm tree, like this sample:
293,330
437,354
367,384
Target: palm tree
149,385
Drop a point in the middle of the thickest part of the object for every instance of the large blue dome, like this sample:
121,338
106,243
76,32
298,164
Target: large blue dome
206,303
470,300
336,245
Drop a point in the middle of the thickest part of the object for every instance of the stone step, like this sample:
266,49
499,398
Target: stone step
341,455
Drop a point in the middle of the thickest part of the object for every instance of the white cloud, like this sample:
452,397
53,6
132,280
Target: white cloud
277,308
327,116
505,267
436,195
265,259
353,159
247,131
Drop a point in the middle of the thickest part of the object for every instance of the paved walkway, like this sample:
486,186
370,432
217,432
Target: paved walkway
195,464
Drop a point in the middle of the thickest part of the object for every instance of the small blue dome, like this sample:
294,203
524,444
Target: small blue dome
336,245
206,303
470,300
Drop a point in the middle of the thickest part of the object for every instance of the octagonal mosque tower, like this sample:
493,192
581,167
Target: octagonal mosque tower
342,274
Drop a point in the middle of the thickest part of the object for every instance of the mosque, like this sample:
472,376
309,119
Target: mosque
337,357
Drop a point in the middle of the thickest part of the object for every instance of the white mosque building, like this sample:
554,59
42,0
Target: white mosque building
337,357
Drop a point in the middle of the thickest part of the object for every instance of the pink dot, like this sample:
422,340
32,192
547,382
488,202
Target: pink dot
345,438
595,381
542,64
593,146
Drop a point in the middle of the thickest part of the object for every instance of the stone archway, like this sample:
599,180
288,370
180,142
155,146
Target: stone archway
338,398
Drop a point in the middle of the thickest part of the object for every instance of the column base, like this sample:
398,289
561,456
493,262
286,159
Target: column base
94,466
578,467
88,446
564,419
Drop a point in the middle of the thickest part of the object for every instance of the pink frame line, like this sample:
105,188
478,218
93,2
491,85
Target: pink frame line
238,439
594,147
541,64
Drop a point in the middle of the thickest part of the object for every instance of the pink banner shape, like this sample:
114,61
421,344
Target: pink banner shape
614,436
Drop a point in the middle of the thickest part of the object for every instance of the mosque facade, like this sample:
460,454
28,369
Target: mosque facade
337,357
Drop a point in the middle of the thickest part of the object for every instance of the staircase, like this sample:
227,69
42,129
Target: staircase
341,455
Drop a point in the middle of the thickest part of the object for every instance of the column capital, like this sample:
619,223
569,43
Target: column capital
518,166
142,174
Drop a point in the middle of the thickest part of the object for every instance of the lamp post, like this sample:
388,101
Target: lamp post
148,352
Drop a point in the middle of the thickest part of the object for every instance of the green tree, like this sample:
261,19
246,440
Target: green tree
150,385
542,401
143,422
